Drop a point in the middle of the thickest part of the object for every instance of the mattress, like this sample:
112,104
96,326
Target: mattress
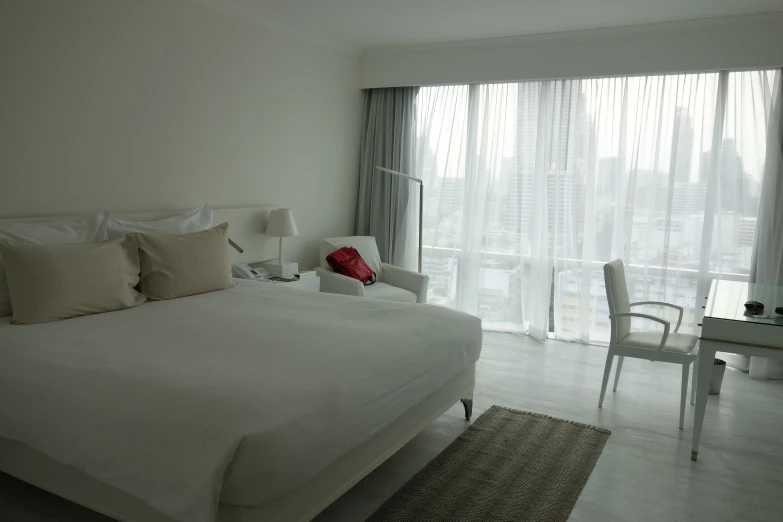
238,396
300,505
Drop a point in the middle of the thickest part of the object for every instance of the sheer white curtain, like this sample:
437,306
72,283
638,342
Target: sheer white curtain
530,184
767,264
475,250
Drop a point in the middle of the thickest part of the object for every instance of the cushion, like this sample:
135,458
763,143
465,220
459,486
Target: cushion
389,293
187,264
676,342
51,282
365,245
77,229
194,221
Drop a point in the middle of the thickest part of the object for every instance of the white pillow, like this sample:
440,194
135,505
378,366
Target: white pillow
194,221
88,228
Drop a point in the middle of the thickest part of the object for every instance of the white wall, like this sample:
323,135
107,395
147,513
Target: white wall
136,105
738,42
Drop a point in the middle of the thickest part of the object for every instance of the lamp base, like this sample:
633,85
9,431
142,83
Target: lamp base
286,270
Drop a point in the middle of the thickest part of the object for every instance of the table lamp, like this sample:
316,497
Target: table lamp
281,224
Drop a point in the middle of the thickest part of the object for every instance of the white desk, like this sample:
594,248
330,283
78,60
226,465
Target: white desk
727,328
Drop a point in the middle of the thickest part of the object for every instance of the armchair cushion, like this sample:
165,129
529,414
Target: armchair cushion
365,245
334,283
408,280
389,293
676,342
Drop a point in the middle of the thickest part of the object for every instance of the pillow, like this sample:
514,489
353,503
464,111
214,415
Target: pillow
177,266
51,282
78,229
194,221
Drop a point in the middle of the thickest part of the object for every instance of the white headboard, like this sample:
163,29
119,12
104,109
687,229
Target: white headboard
245,227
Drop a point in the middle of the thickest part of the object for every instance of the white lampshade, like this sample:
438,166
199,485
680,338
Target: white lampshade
281,223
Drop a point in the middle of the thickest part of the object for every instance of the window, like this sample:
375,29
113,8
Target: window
535,184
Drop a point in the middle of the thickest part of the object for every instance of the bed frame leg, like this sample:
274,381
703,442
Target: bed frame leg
467,403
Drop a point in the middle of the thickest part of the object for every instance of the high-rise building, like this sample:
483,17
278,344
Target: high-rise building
509,190
607,188
568,135
731,176
428,165
682,145
746,235
607,176
521,186
447,198
689,198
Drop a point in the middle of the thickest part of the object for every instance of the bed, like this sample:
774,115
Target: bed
254,403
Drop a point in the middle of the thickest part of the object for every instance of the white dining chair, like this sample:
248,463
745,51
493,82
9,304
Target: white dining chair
672,347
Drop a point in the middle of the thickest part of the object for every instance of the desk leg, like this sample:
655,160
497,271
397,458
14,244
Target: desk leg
707,351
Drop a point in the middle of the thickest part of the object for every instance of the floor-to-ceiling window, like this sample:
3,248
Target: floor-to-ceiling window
535,185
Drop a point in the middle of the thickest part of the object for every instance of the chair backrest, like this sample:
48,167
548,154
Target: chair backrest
365,245
617,295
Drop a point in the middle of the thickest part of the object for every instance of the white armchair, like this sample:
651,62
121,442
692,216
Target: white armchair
392,283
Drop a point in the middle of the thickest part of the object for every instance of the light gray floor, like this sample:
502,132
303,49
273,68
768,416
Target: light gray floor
644,473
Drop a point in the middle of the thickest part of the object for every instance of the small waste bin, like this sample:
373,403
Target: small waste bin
718,369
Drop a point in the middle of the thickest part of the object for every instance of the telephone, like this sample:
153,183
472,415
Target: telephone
245,271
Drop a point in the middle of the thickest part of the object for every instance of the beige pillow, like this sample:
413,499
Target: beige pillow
75,229
187,264
51,282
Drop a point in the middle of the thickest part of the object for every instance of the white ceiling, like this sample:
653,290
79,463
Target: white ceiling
359,24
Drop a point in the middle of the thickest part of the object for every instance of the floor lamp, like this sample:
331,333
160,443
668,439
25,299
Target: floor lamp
421,201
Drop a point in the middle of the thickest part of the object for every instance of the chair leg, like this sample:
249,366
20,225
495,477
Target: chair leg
695,380
684,392
607,371
620,360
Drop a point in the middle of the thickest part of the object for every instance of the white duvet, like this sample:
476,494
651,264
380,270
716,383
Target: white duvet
237,396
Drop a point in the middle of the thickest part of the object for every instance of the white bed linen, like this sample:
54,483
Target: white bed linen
194,221
239,395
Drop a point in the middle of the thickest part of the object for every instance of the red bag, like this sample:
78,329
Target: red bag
348,262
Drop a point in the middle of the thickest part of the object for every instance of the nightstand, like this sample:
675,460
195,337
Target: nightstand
308,284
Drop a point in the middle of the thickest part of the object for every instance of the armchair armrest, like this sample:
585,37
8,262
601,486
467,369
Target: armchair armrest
661,303
665,324
407,280
334,283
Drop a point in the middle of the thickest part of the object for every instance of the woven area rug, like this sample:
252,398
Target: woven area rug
509,465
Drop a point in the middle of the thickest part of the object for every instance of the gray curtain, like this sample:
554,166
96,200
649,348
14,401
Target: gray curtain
388,129
767,261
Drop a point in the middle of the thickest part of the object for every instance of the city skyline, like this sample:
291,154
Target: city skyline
694,111
654,213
